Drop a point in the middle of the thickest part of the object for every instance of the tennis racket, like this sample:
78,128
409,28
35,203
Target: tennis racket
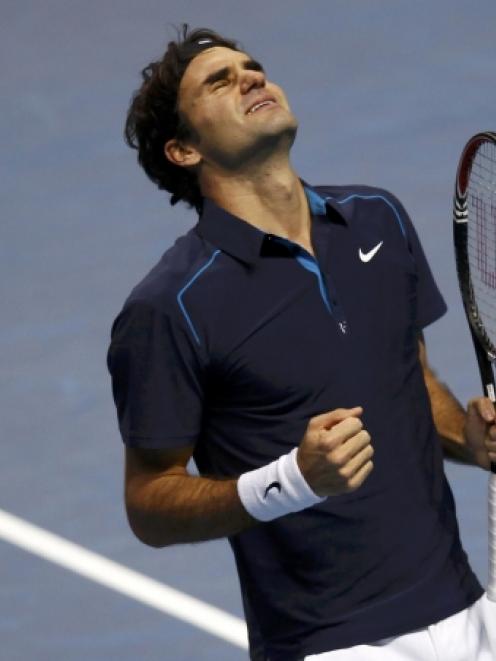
474,223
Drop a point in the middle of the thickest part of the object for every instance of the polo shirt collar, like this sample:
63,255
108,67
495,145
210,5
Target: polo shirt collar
243,240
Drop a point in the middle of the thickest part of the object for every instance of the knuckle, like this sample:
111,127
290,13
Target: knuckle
318,437
338,428
313,424
339,459
323,441
357,423
366,435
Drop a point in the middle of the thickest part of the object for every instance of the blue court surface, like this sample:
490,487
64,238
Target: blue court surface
386,93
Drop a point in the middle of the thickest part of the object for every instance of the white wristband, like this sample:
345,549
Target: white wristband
276,489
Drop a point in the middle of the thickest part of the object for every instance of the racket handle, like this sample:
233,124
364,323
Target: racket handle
490,393
491,587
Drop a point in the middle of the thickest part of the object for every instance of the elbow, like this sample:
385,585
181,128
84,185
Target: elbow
150,518
144,535
146,528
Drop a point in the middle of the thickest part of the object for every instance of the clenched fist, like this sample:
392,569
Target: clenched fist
335,453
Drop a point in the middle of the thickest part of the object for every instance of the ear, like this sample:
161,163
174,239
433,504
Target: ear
181,154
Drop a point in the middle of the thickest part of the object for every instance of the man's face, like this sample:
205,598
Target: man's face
218,95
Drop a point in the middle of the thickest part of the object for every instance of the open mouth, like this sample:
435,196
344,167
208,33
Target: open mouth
261,104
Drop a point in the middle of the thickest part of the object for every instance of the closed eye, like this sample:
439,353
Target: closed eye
220,83
224,72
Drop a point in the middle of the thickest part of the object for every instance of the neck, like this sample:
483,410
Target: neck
269,196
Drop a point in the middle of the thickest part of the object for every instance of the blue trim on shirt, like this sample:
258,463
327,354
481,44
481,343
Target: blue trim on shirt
197,274
310,264
373,197
316,202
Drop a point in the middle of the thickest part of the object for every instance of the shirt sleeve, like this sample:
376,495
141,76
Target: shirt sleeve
430,302
157,378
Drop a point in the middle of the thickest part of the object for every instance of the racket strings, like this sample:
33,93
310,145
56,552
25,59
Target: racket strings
481,239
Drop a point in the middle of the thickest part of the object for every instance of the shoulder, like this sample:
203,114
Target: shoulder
352,192
161,287
368,205
173,296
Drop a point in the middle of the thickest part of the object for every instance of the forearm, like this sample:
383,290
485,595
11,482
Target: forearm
449,419
174,509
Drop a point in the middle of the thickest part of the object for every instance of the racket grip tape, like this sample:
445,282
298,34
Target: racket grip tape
491,587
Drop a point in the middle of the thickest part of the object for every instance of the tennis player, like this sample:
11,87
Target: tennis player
279,343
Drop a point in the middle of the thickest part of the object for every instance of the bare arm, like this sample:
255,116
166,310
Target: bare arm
449,415
166,505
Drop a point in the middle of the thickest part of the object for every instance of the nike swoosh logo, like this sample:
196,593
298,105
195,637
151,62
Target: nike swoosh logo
272,485
367,256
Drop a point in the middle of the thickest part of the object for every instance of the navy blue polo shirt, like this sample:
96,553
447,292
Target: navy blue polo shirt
234,340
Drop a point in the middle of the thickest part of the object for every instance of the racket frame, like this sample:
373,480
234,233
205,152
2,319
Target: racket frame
484,349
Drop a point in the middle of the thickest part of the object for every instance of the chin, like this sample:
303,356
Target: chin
274,137
286,132
272,142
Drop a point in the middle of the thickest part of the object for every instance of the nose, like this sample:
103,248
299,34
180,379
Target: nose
250,79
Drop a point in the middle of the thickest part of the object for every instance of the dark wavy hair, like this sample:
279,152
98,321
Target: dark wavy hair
153,117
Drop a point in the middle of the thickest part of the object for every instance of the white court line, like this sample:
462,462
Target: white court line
126,581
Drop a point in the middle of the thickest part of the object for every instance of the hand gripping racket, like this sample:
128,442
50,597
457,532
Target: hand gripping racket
474,216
